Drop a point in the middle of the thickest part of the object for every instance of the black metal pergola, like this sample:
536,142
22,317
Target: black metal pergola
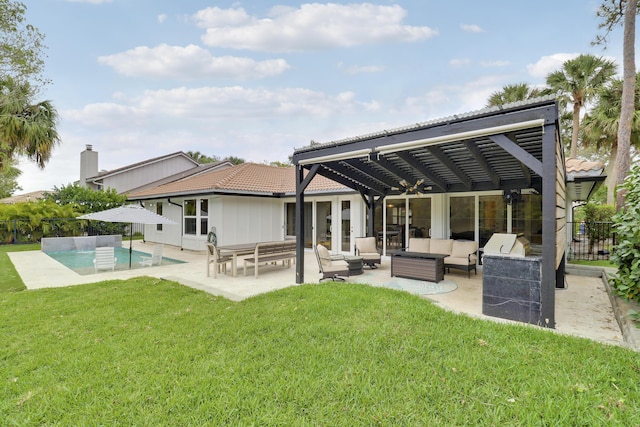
511,148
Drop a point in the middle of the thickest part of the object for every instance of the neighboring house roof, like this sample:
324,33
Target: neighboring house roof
246,178
580,167
27,197
583,178
200,169
109,173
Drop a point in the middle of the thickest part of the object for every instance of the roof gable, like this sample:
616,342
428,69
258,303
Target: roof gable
109,173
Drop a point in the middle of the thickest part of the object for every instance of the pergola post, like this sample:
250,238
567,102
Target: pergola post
371,216
299,225
549,225
301,184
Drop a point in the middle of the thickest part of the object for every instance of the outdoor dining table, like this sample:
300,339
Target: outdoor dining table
235,250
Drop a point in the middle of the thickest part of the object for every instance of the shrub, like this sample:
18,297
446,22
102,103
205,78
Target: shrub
626,253
594,216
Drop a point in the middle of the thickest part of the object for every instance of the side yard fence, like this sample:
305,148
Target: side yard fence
28,231
591,240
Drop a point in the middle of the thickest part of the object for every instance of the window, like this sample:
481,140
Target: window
204,216
196,216
493,217
462,216
159,212
527,217
190,216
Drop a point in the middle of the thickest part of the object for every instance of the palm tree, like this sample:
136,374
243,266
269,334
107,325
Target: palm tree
201,158
577,82
600,128
25,129
512,93
627,113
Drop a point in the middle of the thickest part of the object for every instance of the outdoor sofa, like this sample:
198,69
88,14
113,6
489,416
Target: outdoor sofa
461,254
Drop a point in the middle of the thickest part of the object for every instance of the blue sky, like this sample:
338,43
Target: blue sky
256,79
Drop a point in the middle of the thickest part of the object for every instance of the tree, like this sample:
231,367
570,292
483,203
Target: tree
628,90
25,129
613,13
577,82
85,200
21,46
600,129
9,181
234,160
202,158
279,164
512,93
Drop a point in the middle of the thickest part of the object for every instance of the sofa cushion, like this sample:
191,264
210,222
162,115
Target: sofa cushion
366,245
441,246
325,256
419,245
462,248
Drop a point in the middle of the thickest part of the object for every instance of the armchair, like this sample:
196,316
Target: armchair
463,256
366,248
331,267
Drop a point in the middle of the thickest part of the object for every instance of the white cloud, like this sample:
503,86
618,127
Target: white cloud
189,62
211,104
461,62
222,121
490,64
216,17
309,27
549,64
471,28
360,69
445,100
162,18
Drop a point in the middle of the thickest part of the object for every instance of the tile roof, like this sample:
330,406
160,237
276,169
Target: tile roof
245,178
200,169
27,197
580,166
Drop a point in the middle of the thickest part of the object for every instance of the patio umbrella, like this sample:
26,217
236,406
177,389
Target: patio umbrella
132,214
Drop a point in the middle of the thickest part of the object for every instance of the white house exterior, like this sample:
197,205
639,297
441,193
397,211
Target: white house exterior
253,202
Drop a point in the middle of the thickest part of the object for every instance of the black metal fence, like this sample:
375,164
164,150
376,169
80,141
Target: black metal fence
32,231
591,240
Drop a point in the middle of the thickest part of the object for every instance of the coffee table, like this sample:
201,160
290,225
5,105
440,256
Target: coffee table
355,264
417,265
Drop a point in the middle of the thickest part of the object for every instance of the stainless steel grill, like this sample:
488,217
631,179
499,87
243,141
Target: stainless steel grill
507,244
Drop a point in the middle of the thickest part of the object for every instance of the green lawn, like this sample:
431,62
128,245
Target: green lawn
11,281
150,352
594,263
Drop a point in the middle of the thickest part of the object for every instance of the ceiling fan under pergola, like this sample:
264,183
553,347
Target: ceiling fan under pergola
408,188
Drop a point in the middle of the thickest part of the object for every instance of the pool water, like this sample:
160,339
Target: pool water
82,261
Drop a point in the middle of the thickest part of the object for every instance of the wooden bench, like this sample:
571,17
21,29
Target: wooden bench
268,252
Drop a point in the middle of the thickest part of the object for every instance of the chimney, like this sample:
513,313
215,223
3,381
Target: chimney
88,166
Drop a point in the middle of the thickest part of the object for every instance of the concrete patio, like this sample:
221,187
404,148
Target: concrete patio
582,309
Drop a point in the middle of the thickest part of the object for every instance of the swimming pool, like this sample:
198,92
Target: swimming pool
82,261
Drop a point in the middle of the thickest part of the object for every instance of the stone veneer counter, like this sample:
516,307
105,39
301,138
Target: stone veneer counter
511,288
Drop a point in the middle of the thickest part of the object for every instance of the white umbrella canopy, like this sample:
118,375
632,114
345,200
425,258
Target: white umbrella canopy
129,214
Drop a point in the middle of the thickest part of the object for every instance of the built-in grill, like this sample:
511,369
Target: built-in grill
511,280
507,244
